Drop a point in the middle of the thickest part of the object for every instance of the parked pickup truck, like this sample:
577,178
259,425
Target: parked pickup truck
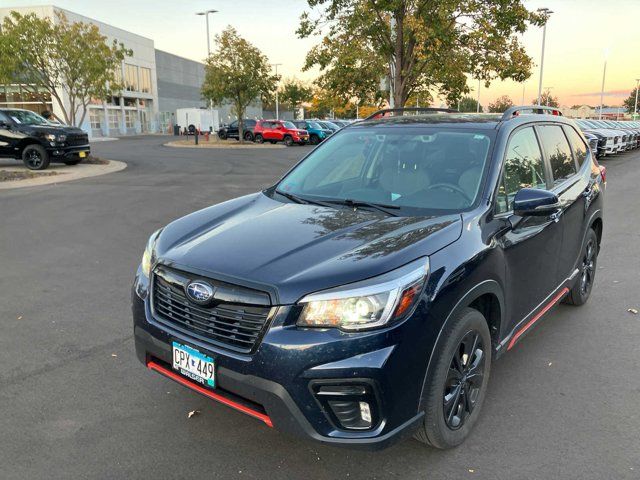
26,136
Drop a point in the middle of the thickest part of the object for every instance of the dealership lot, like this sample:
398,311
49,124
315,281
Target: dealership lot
77,404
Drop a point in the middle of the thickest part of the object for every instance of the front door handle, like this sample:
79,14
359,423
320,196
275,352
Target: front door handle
555,216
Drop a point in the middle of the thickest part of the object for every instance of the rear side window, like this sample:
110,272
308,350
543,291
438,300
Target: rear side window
578,145
523,168
558,152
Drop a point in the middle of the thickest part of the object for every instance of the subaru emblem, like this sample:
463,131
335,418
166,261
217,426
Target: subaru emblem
199,292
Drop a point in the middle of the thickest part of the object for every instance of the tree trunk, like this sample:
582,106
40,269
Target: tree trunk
240,113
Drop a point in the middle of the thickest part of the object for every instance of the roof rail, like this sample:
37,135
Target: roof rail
385,111
532,109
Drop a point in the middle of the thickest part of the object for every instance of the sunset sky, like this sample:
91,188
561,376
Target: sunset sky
578,34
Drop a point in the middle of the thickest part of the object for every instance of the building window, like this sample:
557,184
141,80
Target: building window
117,75
96,118
145,80
114,118
130,118
131,78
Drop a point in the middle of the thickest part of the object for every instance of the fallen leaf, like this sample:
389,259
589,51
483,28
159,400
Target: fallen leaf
550,363
20,317
114,355
471,470
633,310
193,412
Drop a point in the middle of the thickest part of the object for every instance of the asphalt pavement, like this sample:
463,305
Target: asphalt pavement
75,402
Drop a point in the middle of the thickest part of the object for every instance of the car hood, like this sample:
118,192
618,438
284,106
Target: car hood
291,249
54,129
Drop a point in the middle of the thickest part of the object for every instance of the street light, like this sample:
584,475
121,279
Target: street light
604,74
206,15
635,108
546,12
277,111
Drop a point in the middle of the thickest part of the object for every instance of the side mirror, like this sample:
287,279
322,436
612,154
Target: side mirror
534,202
4,124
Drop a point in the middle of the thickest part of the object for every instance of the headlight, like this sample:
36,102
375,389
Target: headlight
148,257
368,304
55,138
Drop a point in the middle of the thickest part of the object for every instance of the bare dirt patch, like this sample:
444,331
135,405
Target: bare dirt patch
14,175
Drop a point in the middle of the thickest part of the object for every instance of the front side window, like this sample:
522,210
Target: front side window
523,168
578,145
421,170
558,153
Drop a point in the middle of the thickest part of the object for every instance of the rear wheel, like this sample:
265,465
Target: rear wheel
581,291
35,157
288,141
259,138
457,384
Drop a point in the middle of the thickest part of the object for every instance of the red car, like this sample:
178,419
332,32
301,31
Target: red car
279,131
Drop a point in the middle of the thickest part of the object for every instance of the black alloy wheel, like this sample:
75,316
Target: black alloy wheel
259,138
288,141
581,290
35,157
314,140
464,380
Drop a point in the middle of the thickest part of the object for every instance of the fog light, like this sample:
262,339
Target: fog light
365,412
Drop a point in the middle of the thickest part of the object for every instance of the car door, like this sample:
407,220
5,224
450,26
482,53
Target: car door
530,245
278,131
232,131
267,130
8,137
573,186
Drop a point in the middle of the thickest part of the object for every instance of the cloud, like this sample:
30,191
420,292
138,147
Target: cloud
610,93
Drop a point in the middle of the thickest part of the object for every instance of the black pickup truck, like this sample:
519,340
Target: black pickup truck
27,136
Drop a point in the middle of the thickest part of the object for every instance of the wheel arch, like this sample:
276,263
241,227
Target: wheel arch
25,142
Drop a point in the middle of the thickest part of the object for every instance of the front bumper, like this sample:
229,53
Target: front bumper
274,384
69,152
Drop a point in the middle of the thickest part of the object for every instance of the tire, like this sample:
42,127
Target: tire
259,138
314,140
288,141
35,157
75,161
222,135
248,136
448,384
587,265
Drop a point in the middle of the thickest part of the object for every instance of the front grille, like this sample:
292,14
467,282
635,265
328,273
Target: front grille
77,139
226,323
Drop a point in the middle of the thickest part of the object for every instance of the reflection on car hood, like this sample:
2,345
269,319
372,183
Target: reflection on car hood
55,129
296,249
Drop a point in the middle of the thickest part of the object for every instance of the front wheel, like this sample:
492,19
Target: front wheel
288,141
457,383
222,135
581,291
35,157
314,140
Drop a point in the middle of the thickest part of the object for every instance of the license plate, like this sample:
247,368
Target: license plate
194,365
82,154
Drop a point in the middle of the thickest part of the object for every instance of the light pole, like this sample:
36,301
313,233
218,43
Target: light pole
546,12
604,74
635,108
277,108
206,15
523,85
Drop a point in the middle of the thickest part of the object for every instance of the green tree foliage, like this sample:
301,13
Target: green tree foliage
431,45
546,99
501,104
630,102
467,104
237,72
294,93
60,58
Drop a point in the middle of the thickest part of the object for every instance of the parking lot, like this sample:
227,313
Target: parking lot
75,402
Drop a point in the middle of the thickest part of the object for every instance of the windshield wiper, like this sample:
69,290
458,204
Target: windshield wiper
382,207
303,200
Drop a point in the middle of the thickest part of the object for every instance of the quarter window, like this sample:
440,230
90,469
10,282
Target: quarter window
579,148
558,152
523,168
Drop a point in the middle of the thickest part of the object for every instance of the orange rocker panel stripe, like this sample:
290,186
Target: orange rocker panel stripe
214,396
546,308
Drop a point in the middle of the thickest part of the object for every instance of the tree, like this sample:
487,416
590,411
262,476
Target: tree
546,99
71,60
238,72
430,45
630,102
501,104
294,93
467,104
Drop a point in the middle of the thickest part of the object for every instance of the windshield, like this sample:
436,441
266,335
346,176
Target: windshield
289,125
26,117
421,170
314,125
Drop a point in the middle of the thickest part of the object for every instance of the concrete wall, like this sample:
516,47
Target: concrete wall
179,82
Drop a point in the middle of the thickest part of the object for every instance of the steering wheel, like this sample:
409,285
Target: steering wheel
452,187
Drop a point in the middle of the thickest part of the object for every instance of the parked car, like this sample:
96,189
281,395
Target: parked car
364,296
328,125
232,130
594,143
26,136
613,137
316,133
279,131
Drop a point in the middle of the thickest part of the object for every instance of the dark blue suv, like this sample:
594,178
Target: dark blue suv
364,296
